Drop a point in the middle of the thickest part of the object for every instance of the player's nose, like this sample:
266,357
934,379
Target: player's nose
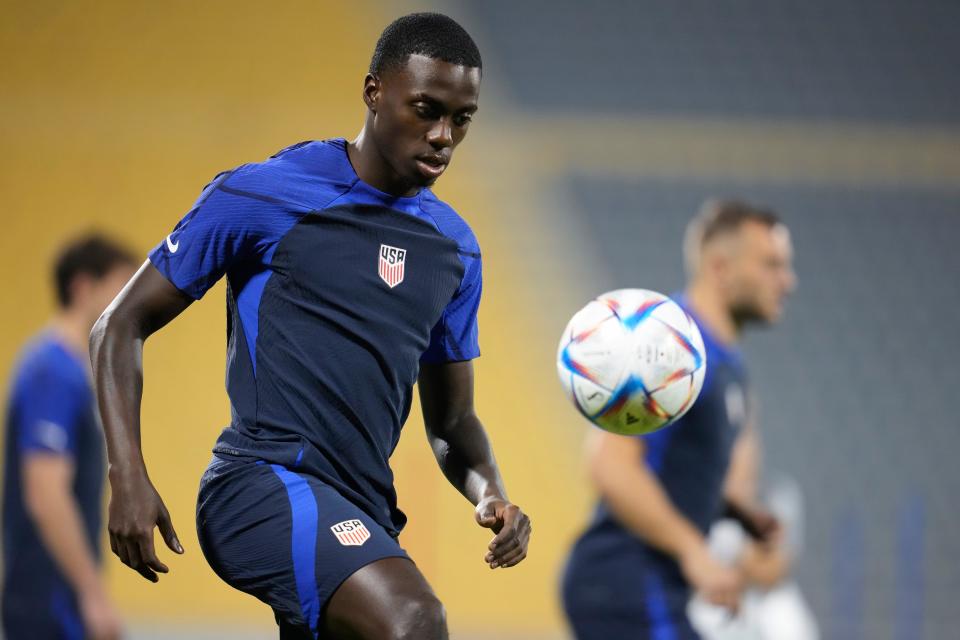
440,134
790,281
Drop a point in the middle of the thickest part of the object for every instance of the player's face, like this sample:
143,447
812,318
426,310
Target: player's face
421,113
762,273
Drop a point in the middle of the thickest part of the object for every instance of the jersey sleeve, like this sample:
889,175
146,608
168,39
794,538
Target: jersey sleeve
214,234
50,407
455,337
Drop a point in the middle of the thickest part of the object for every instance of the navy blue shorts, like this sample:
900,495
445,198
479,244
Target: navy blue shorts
284,537
48,613
629,601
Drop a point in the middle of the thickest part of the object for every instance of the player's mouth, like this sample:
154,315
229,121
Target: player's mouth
432,166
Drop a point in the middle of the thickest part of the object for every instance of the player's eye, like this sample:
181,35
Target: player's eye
425,111
463,119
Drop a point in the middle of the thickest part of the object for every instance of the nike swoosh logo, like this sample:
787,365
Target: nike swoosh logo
173,246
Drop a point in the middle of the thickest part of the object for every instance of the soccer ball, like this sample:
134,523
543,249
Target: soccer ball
632,361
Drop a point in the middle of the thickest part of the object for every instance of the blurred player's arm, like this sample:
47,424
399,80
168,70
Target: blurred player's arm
764,561
48,495
147,303
637,499
463,452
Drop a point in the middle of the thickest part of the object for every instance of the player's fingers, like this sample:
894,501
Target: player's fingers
513,557
120,549
729,599
511,551
507,533
165,525
523,542
504,542
125,555
500,550
515,523
135,562
113,545
500,557
149,556
733,604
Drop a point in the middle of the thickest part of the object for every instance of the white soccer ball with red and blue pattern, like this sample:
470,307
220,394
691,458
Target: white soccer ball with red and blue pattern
632,361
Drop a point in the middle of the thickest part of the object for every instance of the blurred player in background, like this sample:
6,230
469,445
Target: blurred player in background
348,281
633,571
54,463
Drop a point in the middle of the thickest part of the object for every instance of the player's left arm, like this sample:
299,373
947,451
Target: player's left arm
463,452
764,561
740,487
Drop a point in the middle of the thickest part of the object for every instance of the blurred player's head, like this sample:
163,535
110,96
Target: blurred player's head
744,254
89,272
421,92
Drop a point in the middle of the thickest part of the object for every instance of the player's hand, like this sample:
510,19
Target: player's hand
135,509
512,527
100,619
764,565
716,582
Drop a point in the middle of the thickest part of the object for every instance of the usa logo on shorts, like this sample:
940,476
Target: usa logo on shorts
391,264
351,533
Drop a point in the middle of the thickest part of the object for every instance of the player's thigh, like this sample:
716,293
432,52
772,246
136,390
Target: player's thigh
245,524
385,600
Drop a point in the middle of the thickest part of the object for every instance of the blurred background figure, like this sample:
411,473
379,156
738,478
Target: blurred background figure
54,464
633,571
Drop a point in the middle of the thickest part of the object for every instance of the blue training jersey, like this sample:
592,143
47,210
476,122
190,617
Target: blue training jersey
690,459
50,411
336,293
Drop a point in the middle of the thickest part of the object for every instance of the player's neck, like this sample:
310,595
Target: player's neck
371,167
709,307
73,329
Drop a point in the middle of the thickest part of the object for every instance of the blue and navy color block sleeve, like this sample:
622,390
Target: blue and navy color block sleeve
229,225
50,404
455,337
208,240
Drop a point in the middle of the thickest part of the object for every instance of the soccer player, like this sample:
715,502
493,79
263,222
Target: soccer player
630,575
54,466
347,281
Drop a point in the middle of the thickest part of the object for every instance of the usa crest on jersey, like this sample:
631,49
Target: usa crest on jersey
351,533
391,264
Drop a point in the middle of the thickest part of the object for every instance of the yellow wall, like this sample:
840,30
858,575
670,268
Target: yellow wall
113,115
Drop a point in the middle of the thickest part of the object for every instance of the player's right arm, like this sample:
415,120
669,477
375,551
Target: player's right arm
637,499
47,482
47,439
147,303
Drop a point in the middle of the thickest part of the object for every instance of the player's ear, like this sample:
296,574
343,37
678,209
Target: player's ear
371,91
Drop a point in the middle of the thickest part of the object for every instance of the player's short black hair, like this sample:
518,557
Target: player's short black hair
428,34
92,254
718,217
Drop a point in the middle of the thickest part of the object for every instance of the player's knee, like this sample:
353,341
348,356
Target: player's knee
419,618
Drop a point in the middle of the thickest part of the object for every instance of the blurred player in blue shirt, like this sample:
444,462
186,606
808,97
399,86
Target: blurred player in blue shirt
54,463
632,572
348,281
